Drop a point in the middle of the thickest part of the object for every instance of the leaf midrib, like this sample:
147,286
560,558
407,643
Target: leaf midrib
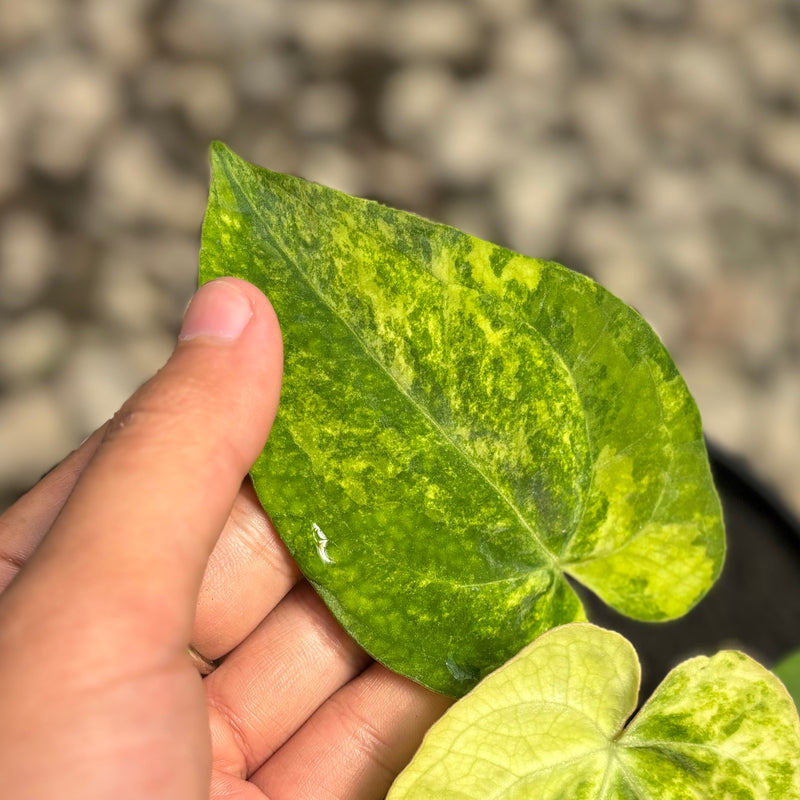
666,744
435,424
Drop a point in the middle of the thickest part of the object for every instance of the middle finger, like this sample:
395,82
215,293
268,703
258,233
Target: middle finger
276,679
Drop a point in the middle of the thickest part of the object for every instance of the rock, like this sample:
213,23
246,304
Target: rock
272,147
27,258
710,82
265,77
117,31
398,179
755,196
470,216
12,141
731,21
669,198
134,183
611,250
323,110
442,30
127,299
534,194
606,112
413,101
35,433
774,430
759,329
667,13
779,144
726,401
22,23
463,149
329,32
95,380
771,52
165,262
31,346
147,352
334,167
535,50
201,92
74,100
213,29
533,67
503,14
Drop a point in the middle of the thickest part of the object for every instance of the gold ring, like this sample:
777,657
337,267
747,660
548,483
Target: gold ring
201,663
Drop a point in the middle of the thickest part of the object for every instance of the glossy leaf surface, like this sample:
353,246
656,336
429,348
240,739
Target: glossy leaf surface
460,428
550,724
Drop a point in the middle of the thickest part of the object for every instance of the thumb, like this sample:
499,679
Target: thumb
131,543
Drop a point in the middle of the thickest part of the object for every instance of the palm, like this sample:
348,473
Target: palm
295,709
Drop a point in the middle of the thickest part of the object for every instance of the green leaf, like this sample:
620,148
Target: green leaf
551,724
461,428
788,670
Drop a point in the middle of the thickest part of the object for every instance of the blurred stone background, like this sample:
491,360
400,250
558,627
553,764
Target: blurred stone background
652,145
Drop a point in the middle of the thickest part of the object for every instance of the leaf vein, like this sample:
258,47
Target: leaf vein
420,409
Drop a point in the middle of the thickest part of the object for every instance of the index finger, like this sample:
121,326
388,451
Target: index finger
25,523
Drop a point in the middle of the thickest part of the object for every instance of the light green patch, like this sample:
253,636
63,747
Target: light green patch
465,425
550,724
659,557
614,481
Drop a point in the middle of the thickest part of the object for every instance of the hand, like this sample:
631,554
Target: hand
145,541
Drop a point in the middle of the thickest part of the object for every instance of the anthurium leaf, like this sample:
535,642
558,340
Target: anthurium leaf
460,428
550,724
788,670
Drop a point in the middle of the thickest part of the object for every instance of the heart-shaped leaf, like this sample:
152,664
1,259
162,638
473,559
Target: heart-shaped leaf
550,724
460,428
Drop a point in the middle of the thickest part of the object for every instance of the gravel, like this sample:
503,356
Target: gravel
654,146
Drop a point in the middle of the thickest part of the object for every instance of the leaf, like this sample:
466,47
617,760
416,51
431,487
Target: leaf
461,428
551,724
788,670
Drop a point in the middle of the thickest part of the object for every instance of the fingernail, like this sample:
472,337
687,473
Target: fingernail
218,310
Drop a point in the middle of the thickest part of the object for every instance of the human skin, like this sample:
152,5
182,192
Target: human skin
149,539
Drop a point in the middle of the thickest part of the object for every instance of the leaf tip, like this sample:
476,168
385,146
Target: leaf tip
221,155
